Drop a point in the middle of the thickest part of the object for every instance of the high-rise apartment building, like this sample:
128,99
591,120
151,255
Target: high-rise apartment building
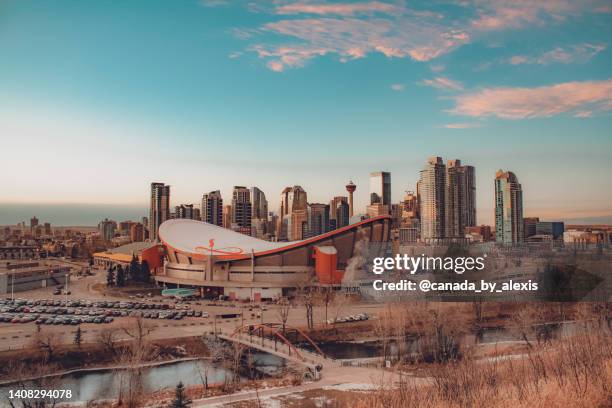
160,208
107,229
212,208
380,188
241,209
137,232
318,219
508,208
432,195
259,204
183,211
460,199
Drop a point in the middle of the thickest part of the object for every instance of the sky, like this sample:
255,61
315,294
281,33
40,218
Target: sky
100,98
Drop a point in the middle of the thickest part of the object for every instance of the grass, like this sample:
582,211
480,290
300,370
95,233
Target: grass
573,372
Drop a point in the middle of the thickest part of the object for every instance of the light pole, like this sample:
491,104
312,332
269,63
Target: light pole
13,287
66,289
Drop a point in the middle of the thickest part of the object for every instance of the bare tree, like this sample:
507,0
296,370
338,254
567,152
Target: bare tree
138,330
307,297
282,312
338,303
107,338
47,342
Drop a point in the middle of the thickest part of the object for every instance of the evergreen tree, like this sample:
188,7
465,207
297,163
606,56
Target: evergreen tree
145,272
135,269
78,337
180,397
120,276
110,276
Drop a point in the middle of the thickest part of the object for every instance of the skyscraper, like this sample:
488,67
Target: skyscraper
334,222
380,188
241,210
432,192
160,208
460,199
212,208
508,208
318,219
342,214
292,199
259,204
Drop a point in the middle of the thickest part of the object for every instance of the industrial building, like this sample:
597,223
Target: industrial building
19,276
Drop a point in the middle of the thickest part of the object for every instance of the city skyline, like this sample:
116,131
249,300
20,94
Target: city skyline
250,95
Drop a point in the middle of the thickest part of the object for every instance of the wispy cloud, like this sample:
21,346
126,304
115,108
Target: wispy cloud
345,9
398,87
353,30
465,125
580,53
581,99
512,14
443,83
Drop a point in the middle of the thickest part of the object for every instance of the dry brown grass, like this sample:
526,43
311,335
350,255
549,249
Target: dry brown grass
575,372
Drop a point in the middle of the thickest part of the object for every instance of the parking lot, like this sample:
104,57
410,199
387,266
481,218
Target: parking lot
75,312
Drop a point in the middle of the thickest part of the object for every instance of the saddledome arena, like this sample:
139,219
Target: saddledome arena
217,261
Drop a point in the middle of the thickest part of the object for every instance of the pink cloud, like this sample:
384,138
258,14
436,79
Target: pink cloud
507,14
518,59
398,87
580,53
576,53
443,83
352,38
540,102
345,9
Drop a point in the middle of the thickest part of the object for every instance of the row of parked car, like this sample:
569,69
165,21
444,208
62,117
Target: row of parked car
90,303
352,318
51,311
48,319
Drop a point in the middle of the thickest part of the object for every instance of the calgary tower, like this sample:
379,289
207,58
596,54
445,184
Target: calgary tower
351,187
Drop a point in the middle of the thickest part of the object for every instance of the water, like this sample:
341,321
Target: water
340,350
69,214
105,383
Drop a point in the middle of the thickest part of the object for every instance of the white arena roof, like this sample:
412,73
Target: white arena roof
193,236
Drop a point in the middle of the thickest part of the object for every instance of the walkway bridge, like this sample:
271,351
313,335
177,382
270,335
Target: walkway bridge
274,338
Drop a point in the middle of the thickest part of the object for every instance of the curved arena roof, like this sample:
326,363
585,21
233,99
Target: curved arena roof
202,239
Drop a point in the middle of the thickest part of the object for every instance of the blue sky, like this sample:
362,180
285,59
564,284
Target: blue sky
99,98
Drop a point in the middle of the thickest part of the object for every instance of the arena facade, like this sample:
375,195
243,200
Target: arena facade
218,261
